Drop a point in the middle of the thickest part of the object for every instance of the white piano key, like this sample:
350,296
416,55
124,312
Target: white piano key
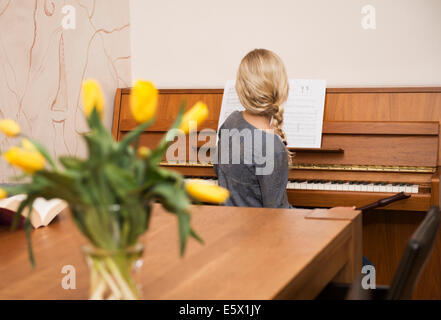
408,189
322,185
328,186
389,187
414,188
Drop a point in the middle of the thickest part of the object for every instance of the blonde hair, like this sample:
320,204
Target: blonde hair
262,86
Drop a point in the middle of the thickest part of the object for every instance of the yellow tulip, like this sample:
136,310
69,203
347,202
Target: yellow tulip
206,192
3,194
10,127
144,152
92,97
28,161
198,114
143,101
27,145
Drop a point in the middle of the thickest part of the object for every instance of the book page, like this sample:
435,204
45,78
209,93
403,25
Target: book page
13,202
304,110
45,210
43,207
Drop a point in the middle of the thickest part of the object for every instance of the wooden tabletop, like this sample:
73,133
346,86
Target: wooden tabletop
248,254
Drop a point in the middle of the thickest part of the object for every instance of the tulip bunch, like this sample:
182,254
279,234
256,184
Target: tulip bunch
110,193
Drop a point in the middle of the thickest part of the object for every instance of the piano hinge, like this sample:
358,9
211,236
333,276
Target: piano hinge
370,168
331,167
186,164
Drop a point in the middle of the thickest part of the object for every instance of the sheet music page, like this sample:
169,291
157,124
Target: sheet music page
230,102
304,111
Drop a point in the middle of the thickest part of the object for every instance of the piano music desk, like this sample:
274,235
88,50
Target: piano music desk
248,254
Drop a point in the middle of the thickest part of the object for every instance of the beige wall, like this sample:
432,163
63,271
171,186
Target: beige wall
199,43
42,66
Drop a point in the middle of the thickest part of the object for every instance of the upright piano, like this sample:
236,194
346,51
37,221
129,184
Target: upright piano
376,142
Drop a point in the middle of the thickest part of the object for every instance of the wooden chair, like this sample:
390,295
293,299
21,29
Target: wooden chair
412,263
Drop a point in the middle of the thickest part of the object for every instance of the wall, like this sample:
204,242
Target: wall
42,66
199,43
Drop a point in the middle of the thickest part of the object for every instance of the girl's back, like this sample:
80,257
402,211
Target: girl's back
252,164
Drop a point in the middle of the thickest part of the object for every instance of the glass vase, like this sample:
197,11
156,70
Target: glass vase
112,272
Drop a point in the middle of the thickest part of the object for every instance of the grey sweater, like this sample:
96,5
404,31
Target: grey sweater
252,164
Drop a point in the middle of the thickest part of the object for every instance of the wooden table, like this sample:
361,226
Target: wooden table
248,254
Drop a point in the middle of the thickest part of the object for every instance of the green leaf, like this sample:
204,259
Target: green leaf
158,154
196,236
28,229
43,152
172,197
128,139
184,230
19,212
121,180
72,163
94,120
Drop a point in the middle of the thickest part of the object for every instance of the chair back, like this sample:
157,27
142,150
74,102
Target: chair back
415,257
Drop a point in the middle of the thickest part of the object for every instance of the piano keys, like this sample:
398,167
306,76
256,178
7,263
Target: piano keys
336,185
359,186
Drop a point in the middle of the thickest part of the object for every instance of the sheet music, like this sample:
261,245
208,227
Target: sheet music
304,110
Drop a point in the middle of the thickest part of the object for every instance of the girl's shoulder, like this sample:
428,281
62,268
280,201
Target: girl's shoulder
234,121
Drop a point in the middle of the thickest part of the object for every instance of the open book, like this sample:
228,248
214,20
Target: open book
303,116
43,211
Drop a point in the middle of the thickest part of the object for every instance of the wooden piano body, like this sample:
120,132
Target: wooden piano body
375,141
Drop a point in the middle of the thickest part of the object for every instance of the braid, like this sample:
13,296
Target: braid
277,125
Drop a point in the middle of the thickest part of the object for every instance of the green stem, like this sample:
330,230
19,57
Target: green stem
126,284
108,279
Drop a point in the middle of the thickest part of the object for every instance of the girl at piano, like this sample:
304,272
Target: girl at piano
262,87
